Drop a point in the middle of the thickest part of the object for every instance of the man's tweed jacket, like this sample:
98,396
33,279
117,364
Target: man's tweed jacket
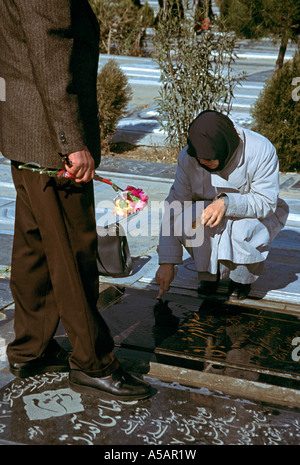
49,63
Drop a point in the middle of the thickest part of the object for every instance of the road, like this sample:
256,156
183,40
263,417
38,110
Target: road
140,127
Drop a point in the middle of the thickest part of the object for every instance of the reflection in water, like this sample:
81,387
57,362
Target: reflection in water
236,341
166,323
208,335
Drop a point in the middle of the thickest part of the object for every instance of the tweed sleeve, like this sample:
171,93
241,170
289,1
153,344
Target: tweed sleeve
49,36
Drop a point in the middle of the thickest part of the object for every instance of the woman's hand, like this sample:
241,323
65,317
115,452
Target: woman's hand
164,276
213,213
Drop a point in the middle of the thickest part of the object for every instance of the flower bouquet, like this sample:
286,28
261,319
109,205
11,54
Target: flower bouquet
130,201
127,202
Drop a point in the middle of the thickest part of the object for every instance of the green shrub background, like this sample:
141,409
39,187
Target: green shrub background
277,114
114,93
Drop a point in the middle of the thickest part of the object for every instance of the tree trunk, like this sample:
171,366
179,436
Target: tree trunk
109,41
281,53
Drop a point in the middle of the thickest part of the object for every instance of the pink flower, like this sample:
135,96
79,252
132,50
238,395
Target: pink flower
140,205
134,191
137,193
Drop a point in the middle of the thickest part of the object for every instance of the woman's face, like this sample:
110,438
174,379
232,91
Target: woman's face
211,164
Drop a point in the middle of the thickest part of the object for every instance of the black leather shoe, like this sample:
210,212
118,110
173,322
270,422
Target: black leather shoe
119,385
55,358
238,291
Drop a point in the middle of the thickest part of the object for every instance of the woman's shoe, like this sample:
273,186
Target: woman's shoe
238,291
208,287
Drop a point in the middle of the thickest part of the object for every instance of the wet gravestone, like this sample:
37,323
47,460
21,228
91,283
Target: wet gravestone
235,340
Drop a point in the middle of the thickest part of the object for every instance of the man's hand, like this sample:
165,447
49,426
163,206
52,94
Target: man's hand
164,276
213,213
83,166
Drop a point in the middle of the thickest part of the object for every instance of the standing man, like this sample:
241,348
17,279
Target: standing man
234,173
49,60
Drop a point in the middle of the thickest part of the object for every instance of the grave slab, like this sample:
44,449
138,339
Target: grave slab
43,410
208,335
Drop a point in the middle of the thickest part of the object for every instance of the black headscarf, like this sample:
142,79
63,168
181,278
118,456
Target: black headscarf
212,136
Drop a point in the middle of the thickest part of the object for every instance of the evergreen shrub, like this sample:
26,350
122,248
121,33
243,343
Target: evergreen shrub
276,114
114,93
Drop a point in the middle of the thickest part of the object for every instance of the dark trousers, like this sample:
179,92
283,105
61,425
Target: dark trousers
54,273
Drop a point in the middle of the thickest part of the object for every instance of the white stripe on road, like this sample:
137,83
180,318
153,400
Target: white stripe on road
142,76
261,56
240,105
7,184
144,81
249,86
244,96
131,68
7,231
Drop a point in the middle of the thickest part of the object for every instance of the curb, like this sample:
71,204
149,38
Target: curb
247,389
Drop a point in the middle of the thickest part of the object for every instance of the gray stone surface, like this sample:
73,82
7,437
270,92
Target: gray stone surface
44,411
